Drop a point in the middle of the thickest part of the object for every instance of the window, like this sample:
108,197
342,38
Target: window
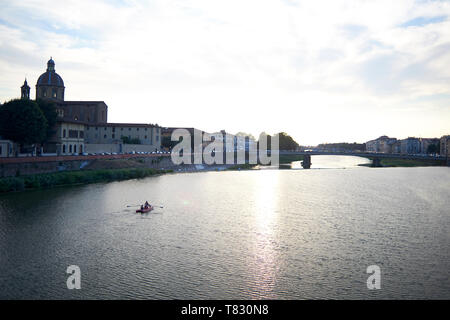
96,128
73,133
129,129
75,148
53,93
121,129
75,118
145,137
87,128
64,148
137,129
44,92
81,134
114,129
70,148
1,150
81,148
104,136
113,136
105,128
145,129
64,133
157,138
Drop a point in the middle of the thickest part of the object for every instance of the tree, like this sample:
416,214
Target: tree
127,140
166,142
22,121
433,148
286,142
48,108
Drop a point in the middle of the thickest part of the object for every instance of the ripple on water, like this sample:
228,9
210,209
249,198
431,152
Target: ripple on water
244,235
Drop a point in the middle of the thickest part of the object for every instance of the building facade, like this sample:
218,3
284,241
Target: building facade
80,123
445,146
410,145
383,144
70,137
107,133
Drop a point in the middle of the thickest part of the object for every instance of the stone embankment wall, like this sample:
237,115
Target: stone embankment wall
10,167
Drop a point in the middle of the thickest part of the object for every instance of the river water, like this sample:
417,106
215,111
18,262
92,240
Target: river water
258,234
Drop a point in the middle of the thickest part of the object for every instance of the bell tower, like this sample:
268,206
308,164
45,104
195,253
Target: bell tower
25,91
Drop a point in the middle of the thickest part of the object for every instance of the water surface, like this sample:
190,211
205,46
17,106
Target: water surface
259,234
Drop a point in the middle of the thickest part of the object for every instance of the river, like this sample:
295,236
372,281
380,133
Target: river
257,234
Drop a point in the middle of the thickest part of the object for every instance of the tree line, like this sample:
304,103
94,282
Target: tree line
28,122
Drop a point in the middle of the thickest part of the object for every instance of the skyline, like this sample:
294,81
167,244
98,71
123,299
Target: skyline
338,71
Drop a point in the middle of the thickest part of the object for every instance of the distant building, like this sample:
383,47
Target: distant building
410,145
396,147
383,144
445,146
106,133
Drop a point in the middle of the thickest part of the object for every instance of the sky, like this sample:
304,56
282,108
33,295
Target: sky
322,71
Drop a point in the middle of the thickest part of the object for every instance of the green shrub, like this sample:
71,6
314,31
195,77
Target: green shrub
11,184
46,180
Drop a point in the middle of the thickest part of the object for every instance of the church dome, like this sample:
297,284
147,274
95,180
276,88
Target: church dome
50,77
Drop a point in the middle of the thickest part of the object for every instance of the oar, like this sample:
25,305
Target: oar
138,205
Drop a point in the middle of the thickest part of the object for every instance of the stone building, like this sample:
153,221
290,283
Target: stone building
79,123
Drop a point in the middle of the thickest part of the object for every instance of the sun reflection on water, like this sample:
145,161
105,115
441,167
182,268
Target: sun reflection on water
264,255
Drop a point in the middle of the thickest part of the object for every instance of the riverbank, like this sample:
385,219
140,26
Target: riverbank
386,163
48,180
117,170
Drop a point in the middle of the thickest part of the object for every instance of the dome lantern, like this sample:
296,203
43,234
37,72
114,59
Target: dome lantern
51,65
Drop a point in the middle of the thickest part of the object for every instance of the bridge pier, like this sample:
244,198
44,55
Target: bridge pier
306,163
376,162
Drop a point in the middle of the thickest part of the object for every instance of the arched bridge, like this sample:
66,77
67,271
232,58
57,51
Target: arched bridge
376,157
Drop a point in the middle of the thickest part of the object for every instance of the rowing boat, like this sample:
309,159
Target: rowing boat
150,208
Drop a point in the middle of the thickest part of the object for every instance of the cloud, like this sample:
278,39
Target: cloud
422,21
186,62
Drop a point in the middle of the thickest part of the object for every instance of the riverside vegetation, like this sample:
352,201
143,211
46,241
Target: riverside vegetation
47,180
